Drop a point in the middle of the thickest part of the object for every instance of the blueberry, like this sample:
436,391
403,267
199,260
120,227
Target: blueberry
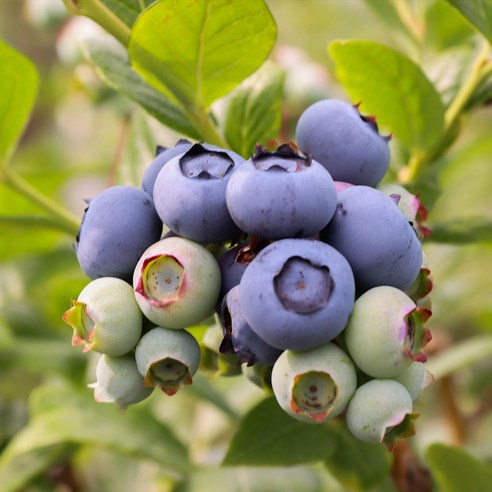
167,359
163,155
239,338
105,317
376,239
386,332
117,227
376,408
233,263
297,293
410,205
118,381
314,385
415,379
231,269
281,194
176,282
348,144
189,194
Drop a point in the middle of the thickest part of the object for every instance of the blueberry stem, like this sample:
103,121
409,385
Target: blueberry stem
481,70
59,215
98,12
460,356
206,128
453,118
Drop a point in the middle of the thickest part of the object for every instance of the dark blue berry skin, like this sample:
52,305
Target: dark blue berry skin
189,194
231,269
163,155
239,338
297,293
349,145
281,194
118,226
376,238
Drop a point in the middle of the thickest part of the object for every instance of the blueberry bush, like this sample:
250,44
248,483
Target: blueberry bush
245,244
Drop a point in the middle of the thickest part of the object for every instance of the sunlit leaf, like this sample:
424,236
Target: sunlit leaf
111,63
267,436
19,82
254,113
198,51
456,471
478,12
391,87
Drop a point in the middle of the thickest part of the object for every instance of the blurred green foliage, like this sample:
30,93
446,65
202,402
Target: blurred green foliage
84,135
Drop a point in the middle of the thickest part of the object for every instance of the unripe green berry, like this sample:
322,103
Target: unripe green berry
167,358
105,317
118,381
386,332
415,379
177,282
376,407
314,385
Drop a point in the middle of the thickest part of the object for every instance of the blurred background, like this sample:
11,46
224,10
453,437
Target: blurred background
83,136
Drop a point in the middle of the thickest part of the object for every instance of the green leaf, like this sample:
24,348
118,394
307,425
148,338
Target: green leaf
127,10
111,63
357,465
19,82
267,436
478,12
199,50
254,113
393,88
456,471
61,415
18,472
464,230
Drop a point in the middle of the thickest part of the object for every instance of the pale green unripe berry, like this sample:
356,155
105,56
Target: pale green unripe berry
177,282
105,317
314,385
167,358
377,407
415,379
386,332
118,381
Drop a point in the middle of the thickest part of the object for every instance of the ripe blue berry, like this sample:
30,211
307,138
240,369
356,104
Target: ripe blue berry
117,227
410,205
239,338
189,194
297,293
376,239
314,385
281,194
163,156
346,143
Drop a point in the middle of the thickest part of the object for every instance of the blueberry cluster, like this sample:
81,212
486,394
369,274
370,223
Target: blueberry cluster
316,275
